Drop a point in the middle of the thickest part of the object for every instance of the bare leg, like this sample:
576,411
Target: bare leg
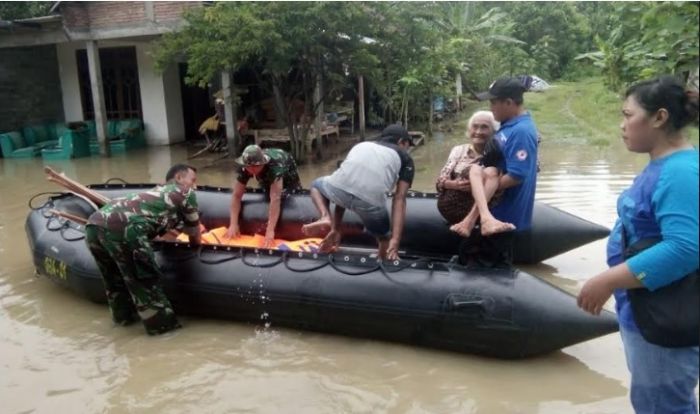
482,194
323,224
484,184
332,239
464,228
383,246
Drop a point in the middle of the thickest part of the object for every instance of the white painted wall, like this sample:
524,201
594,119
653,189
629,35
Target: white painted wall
70,86
161,99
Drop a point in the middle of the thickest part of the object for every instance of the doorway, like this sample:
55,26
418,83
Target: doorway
196,105
120,83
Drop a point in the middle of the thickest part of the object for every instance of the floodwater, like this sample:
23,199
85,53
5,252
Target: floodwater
61,354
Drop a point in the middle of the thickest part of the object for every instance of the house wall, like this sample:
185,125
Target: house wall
160,92
29,87
98,15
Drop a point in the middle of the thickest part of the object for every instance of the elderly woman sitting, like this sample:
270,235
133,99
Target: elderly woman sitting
469,180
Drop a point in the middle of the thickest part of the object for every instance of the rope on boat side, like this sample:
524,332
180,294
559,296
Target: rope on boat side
47,202
331,261
235,256
263,265
286,258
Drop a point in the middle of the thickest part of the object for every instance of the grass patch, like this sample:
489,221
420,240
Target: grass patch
581,112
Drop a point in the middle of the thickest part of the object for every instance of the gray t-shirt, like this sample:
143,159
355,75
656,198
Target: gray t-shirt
371,169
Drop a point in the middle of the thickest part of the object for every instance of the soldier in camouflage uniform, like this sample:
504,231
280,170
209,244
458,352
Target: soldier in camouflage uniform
275,171
119,234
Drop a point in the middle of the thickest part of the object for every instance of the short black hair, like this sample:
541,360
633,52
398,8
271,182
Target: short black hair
668,93
176,169
518,100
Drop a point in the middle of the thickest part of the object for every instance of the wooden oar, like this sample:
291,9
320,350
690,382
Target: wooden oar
69,216
75,187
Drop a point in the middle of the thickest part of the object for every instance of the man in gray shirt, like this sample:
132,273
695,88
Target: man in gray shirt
370,170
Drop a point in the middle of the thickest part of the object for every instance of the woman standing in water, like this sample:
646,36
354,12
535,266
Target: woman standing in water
661,205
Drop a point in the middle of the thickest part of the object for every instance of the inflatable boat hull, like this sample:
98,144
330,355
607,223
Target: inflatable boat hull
425,233
430,302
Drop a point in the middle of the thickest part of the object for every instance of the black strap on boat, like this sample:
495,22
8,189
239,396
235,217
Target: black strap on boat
263,265
234,256
67,226
400,265
120,180
47,202
387,273
331,261
286,257
51,219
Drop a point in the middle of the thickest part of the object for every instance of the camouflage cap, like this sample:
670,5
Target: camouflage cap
252,155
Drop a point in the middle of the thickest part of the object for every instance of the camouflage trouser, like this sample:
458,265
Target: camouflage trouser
131,278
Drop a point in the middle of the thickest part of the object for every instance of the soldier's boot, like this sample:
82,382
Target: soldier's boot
161,322
122,308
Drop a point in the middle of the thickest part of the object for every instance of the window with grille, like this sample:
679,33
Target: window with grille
120,81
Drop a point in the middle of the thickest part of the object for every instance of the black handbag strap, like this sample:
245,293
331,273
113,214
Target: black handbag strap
641,244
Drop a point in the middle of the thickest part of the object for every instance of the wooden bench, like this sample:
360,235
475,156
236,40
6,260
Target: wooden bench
282,134
269,134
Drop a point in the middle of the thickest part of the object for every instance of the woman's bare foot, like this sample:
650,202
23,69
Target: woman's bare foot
330,242
317,228
464,228
493,226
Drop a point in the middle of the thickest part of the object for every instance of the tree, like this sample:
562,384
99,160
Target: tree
23,9
668,43
292,47
553,31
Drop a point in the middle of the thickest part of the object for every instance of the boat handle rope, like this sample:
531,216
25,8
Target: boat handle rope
118,179
286,258
46,203
63,226
263,265
407,264
331,261
235,256
53,218
67,226
387,273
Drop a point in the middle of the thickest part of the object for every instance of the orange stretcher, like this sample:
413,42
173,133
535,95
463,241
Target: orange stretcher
216,236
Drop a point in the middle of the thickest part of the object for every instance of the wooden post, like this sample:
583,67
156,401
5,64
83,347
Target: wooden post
320,112
230,113
98,97
431,113
361,105
458,92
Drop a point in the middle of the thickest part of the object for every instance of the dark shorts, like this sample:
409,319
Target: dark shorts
492,252
375,218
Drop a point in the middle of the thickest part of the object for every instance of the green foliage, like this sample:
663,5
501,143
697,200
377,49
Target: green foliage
649,39
552,32
15,10
585,111
411,52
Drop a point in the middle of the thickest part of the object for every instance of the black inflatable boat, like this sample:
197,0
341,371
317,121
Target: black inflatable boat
425,298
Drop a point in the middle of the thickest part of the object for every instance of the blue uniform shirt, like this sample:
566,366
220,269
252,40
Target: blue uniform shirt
518,139
662,203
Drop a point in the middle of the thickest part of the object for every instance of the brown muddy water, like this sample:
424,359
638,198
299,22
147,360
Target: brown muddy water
61,354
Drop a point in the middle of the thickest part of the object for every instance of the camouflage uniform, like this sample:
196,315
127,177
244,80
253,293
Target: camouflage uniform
119,234
281,165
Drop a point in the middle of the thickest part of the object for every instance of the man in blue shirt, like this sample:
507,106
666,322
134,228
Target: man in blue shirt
518,140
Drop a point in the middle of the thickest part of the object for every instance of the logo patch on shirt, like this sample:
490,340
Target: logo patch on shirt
522,155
